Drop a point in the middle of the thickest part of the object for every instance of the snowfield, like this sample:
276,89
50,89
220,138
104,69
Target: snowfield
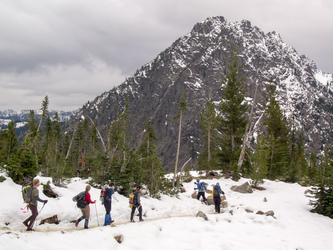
170,223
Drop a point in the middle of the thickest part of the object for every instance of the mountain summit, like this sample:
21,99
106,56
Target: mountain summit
196,64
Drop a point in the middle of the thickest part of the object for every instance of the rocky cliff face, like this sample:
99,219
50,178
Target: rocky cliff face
196,63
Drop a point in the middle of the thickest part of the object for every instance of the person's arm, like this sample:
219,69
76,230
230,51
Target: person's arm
37,197
88,199
112,195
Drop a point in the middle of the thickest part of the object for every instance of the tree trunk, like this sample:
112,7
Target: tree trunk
178,148
247,132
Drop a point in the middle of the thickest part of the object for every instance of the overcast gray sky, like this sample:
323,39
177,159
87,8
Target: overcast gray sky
74,50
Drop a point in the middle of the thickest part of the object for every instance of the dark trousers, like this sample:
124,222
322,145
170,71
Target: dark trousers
201,194
133,211
108,219
107,206
31,220
217,202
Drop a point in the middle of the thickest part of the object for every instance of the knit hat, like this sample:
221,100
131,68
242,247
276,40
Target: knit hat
139,187
88,188
198,179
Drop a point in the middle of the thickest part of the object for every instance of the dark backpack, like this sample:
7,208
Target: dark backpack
216,190
80,200
27,193
104,195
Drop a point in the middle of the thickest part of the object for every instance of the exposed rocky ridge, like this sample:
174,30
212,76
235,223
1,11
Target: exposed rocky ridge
196,63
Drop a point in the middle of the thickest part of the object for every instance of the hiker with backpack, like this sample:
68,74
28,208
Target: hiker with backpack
32,205
201,187
108,195
137,203
85,209
217,191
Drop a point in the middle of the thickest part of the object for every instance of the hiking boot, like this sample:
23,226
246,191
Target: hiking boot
132,221
30,229
25,223
141,220
76,223
85,227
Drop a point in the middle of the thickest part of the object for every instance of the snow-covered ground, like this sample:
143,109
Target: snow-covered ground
170,223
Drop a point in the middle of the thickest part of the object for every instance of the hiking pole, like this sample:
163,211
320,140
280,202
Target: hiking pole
38,215
96,214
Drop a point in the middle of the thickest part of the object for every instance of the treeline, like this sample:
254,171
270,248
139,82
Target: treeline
278,152
46,149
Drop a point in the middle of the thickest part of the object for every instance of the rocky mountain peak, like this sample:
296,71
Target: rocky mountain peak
196,63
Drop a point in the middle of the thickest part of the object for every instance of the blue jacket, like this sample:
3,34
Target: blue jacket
199,187
218,188
110,193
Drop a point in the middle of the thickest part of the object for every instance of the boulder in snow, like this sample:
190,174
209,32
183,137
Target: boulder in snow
244,188
202,215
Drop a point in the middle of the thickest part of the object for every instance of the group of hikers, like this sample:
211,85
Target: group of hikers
109,194
216,193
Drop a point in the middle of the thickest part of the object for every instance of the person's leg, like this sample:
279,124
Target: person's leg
107,206
215,203
26,222
78,221
218,204
140,213
132,213
34,212
203,195
107,220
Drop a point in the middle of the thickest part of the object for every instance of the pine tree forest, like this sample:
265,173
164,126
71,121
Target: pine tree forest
278,152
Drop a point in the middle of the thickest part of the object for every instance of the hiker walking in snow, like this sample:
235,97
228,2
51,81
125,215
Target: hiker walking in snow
86,210
107,204
216,196
201,186
29,223
137,203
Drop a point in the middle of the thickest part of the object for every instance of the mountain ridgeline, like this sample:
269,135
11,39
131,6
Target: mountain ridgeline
195,65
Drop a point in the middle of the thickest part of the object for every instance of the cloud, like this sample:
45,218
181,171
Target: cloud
61,47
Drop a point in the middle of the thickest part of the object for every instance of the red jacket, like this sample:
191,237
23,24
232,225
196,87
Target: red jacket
88,199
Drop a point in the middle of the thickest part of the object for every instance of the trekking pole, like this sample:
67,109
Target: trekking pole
38,215
96,214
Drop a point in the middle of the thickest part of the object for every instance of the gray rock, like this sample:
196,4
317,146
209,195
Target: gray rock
202,215
244,188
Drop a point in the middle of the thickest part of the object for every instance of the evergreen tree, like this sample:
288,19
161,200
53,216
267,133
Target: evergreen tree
312,171
122,158
58,149
233,108
301,158
47,154
182,107
259,171
9,141
293,171
208,124
323,191
151,166
278,140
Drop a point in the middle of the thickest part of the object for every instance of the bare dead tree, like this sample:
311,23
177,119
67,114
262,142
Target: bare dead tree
247,131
